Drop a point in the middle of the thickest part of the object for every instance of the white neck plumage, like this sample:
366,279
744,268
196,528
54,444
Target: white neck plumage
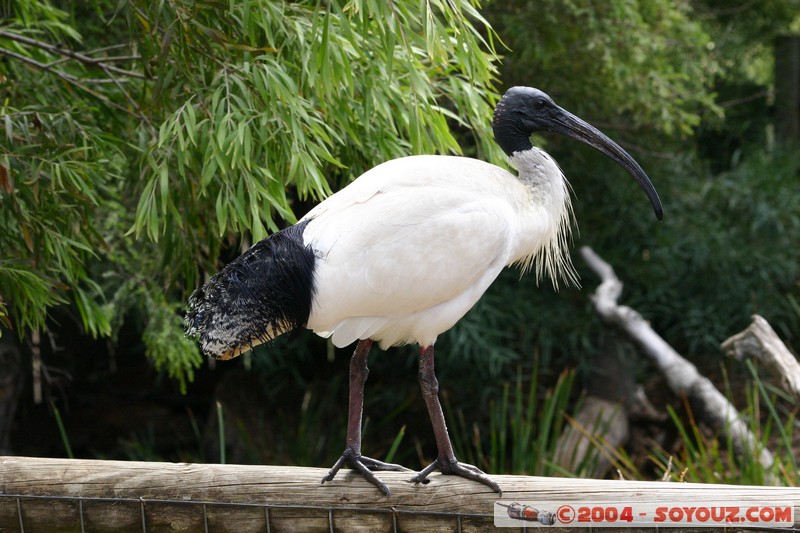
551,210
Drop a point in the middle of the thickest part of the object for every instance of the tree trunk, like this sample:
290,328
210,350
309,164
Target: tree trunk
11,386
787,87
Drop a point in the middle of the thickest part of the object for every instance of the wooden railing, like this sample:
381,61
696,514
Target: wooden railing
47,495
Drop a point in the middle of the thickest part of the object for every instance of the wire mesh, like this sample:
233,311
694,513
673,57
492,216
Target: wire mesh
268,507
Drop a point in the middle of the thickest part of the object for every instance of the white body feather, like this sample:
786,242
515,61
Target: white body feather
404,251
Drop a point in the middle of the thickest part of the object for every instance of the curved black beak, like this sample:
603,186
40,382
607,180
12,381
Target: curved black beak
568,124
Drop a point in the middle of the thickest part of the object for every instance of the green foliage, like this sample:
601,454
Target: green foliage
60,172
221,431
56,172
167,347
743,34
646,72
525,423
523,428
641,65
288,100
62,430
728,252
724,251
395,445
203,125
710,458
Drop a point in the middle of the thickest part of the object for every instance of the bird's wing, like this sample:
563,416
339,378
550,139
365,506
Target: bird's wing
396,247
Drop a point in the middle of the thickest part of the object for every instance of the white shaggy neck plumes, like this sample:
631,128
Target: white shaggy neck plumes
550,209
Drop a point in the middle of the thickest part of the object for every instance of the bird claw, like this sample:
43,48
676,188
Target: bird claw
455,468
365,466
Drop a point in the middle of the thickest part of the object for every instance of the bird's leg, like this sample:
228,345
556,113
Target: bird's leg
446,461
352,450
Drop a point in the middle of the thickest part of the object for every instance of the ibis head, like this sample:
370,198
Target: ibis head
524,110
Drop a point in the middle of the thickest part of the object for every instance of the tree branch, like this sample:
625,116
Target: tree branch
72,80
103,63
682,376
93,61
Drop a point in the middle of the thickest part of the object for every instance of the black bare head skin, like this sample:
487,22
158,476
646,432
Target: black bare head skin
519,113
525,110
266,291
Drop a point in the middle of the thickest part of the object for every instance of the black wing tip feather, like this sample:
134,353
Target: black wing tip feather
263,293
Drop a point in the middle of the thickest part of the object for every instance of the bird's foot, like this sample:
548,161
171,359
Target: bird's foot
455,468
365,466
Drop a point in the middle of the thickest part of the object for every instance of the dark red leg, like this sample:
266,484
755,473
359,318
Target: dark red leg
446,461
352,450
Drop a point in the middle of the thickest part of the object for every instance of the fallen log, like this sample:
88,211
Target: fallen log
759,341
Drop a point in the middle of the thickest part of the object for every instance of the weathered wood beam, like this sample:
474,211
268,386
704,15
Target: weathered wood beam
760,342
71,495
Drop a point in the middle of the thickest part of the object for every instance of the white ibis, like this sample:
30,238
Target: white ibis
401,254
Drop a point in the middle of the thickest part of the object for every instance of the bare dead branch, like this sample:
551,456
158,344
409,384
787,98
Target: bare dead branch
107,69
107,48
107,59
72,80
682,376
104,63
88,60
43,66
760,341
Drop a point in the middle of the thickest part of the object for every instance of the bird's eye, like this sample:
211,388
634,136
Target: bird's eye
540,104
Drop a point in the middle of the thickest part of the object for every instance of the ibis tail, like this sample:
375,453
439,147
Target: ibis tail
265,292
